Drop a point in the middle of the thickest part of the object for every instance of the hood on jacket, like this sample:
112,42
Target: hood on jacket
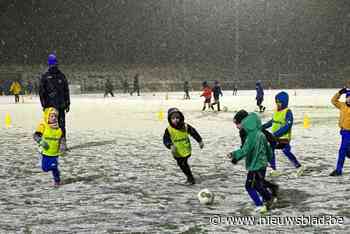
47,112
283,98
251,123
182,118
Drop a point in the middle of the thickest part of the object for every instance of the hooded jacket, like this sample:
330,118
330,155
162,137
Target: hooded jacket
286,127
182,126
256,150
50,133
54,90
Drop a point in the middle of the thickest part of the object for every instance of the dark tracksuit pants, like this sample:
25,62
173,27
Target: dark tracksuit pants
182,162
257,186
50,163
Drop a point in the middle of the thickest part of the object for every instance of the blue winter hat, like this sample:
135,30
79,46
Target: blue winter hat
52,60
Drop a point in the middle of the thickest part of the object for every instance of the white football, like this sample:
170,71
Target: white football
205,197
225,109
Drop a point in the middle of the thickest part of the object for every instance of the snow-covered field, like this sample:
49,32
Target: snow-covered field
118,176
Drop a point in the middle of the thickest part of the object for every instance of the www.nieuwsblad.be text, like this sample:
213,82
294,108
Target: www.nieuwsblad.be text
277,220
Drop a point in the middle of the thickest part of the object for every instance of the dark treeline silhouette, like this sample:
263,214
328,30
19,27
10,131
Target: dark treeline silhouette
275,36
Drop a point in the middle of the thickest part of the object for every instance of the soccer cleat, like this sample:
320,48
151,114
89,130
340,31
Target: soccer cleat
335,173
190,181
261,209
275,173
300,171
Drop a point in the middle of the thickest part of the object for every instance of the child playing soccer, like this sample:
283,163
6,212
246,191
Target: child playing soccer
176,138
282,123
217,92
207,95
49,135
257,152
344,125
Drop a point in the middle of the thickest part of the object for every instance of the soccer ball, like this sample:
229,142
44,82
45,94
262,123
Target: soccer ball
205,197
225,109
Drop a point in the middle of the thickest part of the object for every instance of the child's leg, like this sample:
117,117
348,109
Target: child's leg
290,155
183,164
343,150
273,158
260,185
218,106
51,164
204,105
250,187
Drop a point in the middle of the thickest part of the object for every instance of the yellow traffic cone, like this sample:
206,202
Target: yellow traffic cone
160,115
306,121
7,120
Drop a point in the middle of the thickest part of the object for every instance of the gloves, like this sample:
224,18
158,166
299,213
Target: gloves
44,145
67,109
233,160
201,144
342,91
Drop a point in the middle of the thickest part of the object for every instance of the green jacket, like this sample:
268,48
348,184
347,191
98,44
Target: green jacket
256,150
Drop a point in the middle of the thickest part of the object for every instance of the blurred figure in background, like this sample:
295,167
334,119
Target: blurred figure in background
16,89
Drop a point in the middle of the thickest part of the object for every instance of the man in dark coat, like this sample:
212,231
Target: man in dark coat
54,92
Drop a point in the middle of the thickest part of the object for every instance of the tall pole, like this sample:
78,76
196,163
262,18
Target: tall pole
237,3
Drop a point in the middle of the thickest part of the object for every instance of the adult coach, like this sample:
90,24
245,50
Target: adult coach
54,92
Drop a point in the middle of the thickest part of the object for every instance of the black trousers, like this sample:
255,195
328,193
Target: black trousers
182,162
16,98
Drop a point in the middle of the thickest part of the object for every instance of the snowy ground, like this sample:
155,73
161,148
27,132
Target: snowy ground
118,177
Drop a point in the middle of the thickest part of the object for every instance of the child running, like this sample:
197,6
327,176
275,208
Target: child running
282,123
257,152
49,136
207,96
344,125
176,138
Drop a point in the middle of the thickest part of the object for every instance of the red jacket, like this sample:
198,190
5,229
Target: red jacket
206,92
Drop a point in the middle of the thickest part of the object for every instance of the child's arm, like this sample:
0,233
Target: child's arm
335,99
166,139
247,147
289,122
193,132
267,124
38,136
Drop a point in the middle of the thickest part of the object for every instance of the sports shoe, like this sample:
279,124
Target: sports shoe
261,209
269,203
300,171
275,173
190,181
335,173
56,184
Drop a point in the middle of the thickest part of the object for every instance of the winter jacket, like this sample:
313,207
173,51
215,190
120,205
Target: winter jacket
54,90
344,119
256,150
